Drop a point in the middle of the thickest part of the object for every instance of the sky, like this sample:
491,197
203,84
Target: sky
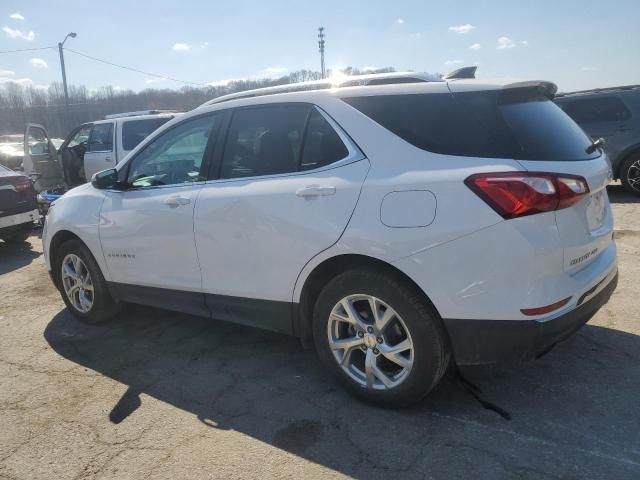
577,44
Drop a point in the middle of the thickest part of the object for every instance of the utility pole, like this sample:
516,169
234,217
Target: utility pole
64,73
321,49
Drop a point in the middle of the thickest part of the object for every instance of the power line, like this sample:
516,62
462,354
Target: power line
27,49
135,69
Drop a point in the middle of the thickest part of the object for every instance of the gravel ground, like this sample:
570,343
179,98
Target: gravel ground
156,394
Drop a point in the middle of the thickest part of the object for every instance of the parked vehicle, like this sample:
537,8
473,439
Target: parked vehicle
614,115
89,148
18,209
402,227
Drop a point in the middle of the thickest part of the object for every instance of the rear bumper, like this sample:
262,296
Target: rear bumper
489,341
10,223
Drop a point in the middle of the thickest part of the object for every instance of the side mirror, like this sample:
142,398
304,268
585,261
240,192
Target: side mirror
105,179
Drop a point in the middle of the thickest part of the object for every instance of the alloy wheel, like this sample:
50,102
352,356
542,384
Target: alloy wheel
633,175
77,283
370,342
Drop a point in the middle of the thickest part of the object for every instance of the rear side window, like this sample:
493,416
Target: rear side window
264,141
322,145
134,131
101,138
519,123
592,110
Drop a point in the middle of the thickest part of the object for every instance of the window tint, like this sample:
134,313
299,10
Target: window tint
175,156
517,123
101,138
264,141
38,141
322,145
134,131
81,136
590,110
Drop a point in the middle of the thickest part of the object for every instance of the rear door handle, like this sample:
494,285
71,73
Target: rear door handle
175,202
107,159
315,191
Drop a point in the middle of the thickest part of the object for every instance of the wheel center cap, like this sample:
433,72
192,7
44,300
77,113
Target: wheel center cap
370,340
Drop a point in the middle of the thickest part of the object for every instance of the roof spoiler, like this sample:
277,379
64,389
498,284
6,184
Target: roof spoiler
548,89
462,73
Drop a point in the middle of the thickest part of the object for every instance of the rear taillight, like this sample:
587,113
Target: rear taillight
516,194
22,185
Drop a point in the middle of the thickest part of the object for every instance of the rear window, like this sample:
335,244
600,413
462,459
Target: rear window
518,123
134,131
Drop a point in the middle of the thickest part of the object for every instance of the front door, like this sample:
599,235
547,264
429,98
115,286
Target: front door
146,229
40,158
100,153
280,200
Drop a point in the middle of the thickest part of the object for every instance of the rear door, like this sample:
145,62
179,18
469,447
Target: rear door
281,197
100,154
40,157
530,128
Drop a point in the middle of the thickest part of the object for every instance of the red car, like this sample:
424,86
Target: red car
18,206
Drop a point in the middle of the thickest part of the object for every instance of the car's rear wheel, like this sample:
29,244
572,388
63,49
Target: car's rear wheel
19,237
630,174
82,285
384,342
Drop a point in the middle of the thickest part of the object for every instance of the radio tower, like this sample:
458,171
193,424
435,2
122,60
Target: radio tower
321,49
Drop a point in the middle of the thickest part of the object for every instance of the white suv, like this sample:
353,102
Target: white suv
402,227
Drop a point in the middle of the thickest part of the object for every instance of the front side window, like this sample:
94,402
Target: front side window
38,141
101,138
264,141
174,157
134,131
81,136
592,110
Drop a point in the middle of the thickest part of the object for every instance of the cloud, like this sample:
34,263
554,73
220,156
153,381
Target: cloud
453,62
524,42
399,21
475,46
588,69
15,33
505,42
181,47
38,63
204,44
16,16
151,81
6,73
466,28
270,71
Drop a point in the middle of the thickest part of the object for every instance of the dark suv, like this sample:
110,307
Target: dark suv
613,114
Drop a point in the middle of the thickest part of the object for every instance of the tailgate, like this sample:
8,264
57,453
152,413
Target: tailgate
585,228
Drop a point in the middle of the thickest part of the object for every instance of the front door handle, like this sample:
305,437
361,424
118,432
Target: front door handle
315,191
107,159
175,202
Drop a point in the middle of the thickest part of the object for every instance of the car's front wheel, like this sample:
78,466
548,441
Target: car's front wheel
82,286
380,337
630,174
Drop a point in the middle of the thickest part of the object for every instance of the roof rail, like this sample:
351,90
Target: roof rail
462,73
137,114
599,90
349,81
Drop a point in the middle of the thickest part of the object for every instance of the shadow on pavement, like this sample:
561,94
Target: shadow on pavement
16,256
617,194
574,412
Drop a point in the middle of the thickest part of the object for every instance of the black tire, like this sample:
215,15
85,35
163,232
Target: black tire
629,169
104,307
431,352
19,237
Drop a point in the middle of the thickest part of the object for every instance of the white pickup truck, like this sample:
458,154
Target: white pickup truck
89,148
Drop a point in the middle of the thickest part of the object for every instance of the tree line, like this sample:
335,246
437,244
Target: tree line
20,104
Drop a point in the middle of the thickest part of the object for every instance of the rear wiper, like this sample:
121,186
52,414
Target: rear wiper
596,144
